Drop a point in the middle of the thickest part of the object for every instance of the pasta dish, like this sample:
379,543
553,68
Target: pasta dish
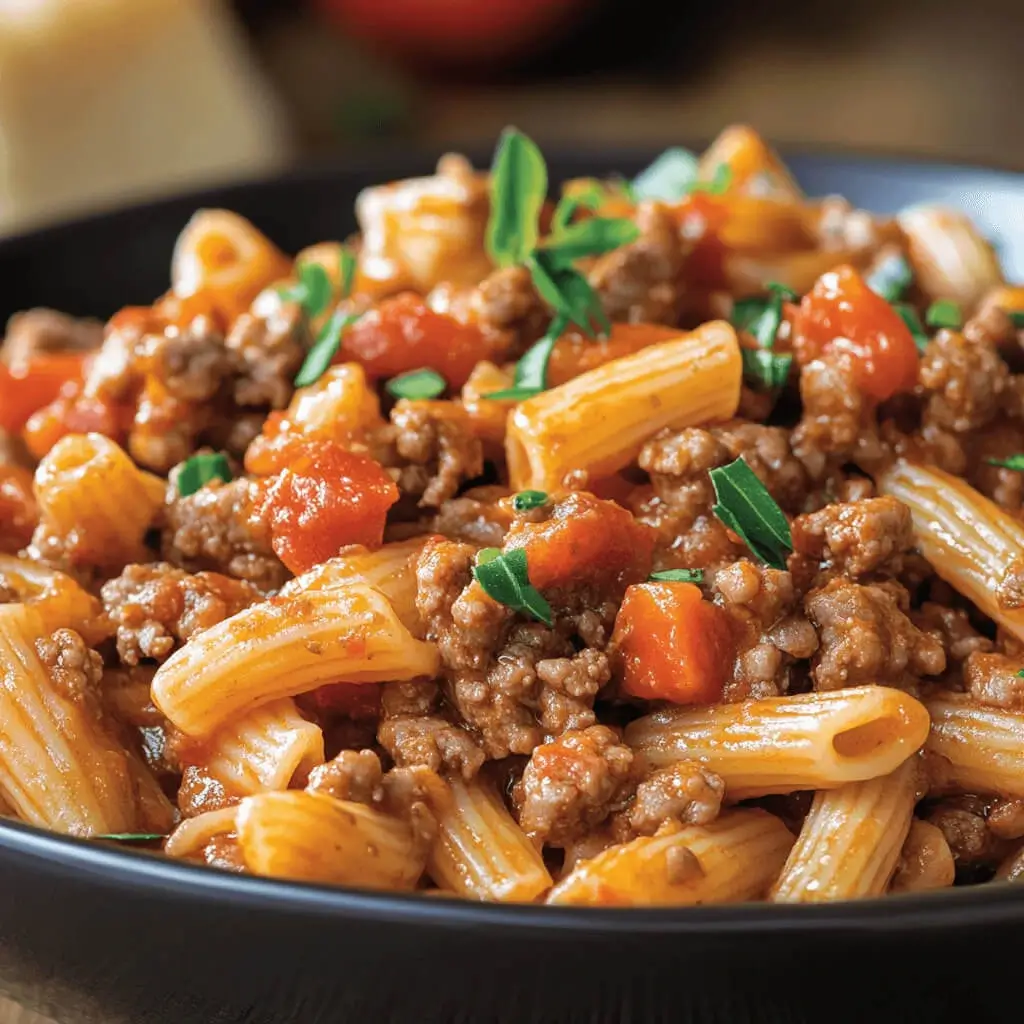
658,543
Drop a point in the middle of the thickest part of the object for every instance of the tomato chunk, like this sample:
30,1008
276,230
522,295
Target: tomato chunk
328,497
359,701
18,511
29,387
585,539
672,645
403,333
842,314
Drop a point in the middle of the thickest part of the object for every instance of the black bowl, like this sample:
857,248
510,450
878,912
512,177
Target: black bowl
89,933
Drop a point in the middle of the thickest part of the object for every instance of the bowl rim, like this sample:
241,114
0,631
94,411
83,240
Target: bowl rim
983,905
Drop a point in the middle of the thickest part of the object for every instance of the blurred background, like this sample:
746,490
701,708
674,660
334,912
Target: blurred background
154,95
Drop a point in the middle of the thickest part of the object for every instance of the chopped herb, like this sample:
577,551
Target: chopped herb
1011,462
746,508
319,357
425,383
670,177
531,376
568,293
519,186
131,837
592,237
505,578
762,318
909,316
312,291
765,369
891,278
525,500
200,470
1020,674
347,266
678,575
944,313
568,205
1016,318
719,183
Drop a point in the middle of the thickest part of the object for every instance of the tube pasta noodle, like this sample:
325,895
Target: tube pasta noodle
755,167
851,840
481,853
189,838
734,858
783,744
58,767
968,540
597,422
59,600
93,496
311,837
979,746
265,749
286,646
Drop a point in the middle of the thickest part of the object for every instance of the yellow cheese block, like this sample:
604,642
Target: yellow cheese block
105,101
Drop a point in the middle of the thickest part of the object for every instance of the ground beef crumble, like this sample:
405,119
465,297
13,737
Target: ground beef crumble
73,666
685,793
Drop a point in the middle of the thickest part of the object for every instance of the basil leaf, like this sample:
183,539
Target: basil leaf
746,313
348,266
568,205
765,369
319,357
505,578
909,316
200,470
719,183
669,178
678,575
312,291
746,507
525,500
1020,674
1016,318
891,278
519,185
592,237
568,293
1011,462
130,837
944,313
531,376
417,384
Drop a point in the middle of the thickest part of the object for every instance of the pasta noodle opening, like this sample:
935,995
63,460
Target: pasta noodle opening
867,738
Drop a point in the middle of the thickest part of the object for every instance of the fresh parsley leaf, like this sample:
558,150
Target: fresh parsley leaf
909,316
505,578
944,313
568,205
525,500
746,508
200,470
1016,318
678,575
669,178
1020,674
765,369
347,265
891,278
531,377
519,186
131,837
312,291
569,293
719,183
592,237
417,384
762,318
1011,462
747,312
319,357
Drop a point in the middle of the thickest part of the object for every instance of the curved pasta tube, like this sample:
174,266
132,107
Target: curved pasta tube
734,858
192,834
784,744
285,646
968,540
59,600
598,422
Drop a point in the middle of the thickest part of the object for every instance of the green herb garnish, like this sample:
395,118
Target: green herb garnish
1020,674
678,575
944,313
1016,318
909,316
417,384
199,470
1010,462
519,186
325,348
891,278
312,291
526,500
531,377
766,369
669,178
719,183
568,293
347,265
592,237
762,318
505,578
130,837
746,508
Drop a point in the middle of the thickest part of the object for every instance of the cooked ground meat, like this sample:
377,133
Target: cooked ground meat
352,775
857,539
992,327
267,353
866,637
952,628
685,792
214,529
191,363
506,305
769,628
200,792
573,784
962,821
473,519
418,796
963,382
430,741
39,331
993,679
156,607
926,861
568,687
1000,439
641,282
73,666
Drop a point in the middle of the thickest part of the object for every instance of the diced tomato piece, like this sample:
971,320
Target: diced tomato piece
584,540
26,388
842,314
328,497
575,354
18,510
701,219
352,700
403,333
672,645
